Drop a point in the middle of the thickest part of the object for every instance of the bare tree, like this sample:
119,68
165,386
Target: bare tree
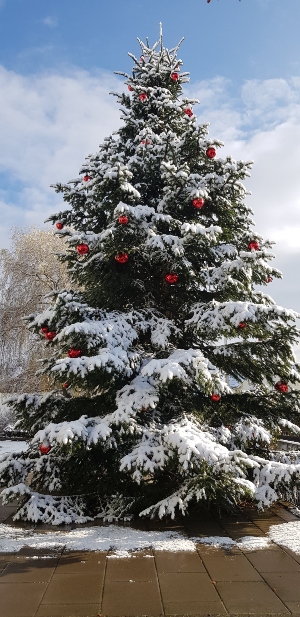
28,272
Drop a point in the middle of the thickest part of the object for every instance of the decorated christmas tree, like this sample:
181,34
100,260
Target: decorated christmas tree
165,311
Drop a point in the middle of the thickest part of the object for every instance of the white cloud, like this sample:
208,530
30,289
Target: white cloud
48,124
50,21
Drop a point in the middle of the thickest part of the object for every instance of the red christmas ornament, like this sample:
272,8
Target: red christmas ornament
174,76
123,219
198,203
242,325
74,353
146,141
143,97
281,386
130,88
188,112
171,278
50,335
253,245
59,225
82,249
269,279
121,258
86,178
65,385
44,329
44,448
215,397
211,152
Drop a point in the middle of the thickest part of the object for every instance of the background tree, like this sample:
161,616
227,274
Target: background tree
162,246
28,271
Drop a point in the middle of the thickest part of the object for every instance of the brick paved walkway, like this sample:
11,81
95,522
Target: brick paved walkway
207,582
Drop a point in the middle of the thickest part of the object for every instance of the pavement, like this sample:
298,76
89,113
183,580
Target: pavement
208,582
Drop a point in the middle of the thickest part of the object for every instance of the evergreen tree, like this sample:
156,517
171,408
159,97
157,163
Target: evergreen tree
167,264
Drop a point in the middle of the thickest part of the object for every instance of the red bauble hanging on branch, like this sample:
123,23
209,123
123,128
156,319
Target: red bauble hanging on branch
253,245
211,152
143,97
269,279
174,76
215,397
82,249
123,219
242,325
281,386
74,353
121,258
198,203
146,142
130,88
171,278
44,448
86,178
59,225
188,112
50,335
44,329
66,385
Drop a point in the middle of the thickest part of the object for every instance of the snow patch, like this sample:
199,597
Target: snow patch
120,540
287,535
8,446
123,540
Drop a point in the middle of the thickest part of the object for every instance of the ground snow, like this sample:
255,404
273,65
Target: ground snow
287,535
119,540
8,446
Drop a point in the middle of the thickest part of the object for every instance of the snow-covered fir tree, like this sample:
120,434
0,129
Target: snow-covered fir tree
141,420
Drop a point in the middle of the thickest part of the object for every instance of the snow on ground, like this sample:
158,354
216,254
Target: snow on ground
12,446
287,535
119,540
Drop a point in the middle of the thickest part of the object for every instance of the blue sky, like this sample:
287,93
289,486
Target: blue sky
56,70
239,40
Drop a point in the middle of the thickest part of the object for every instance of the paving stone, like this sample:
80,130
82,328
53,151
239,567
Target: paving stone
178,562
287,586
206,549
20,599
295,556
130,599
74,588
187,587
28,571
195,608
273,561
82,562
294,607
222,567
29,551
239,530
285,514
5,559
68,610
135,568
251,597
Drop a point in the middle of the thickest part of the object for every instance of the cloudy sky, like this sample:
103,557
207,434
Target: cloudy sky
56,70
